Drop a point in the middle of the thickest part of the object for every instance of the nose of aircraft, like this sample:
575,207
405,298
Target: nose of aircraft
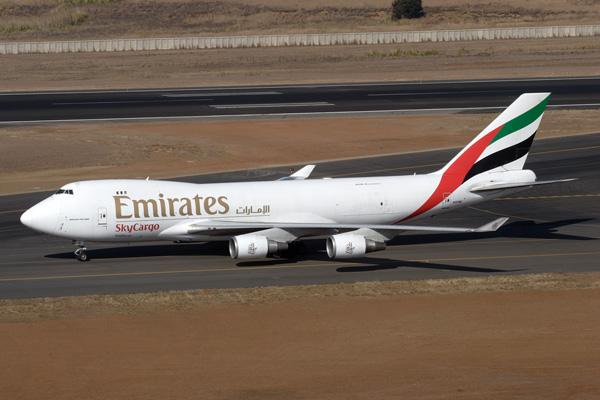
42,217
27,219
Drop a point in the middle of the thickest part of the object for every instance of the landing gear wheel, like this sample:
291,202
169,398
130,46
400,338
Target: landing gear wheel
81,254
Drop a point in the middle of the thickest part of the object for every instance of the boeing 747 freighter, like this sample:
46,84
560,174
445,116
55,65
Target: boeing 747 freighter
357,215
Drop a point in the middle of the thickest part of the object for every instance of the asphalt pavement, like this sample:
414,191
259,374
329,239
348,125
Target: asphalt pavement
552,228
309,101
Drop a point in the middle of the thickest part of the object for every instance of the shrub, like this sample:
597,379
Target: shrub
407,9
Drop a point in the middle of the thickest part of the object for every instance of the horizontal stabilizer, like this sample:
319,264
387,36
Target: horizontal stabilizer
492,226
301,174
513,185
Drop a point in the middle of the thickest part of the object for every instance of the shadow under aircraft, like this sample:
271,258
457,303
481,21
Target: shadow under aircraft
517,229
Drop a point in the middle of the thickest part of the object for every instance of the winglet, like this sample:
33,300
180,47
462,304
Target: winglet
492,226
299,175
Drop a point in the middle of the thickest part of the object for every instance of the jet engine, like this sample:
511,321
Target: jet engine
254,246
351,245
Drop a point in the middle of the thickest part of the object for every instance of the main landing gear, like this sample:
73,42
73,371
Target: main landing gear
295,249
81,252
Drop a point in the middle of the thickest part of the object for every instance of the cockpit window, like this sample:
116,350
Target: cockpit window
64,191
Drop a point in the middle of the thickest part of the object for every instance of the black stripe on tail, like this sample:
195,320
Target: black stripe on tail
501,157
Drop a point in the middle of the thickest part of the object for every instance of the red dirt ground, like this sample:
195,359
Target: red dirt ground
517,344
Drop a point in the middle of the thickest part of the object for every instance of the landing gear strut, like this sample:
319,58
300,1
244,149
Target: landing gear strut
295,249
81,252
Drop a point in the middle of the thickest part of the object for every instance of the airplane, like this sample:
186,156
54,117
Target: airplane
267,219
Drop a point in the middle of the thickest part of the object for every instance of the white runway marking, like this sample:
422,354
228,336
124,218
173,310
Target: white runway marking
221,94
316,114
272,105
438,93
122,102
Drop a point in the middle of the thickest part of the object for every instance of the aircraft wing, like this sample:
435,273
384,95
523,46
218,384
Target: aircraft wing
233,228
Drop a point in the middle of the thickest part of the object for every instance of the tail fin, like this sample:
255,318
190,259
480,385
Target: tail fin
502,146
505,142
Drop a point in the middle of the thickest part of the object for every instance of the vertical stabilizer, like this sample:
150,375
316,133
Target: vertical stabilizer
502,146
505,142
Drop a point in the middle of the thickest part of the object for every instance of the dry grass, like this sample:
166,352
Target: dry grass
413,52
478,50
39,19
164,150
55,19
129,304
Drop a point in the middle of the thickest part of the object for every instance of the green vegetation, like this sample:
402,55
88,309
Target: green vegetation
403,53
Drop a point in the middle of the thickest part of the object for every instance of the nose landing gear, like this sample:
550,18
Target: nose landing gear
81,252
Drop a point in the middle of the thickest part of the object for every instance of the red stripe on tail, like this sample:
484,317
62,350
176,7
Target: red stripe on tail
455,174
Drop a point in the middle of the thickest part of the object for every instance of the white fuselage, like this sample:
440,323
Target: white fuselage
137,210
359,215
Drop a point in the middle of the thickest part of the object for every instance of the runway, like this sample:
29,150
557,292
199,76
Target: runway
552,228
247,102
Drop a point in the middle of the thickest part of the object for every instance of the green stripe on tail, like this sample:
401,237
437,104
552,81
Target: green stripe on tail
522,120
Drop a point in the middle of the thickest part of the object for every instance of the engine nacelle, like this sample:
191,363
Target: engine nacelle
254,246
351,245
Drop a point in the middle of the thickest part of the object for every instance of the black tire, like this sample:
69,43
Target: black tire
82,256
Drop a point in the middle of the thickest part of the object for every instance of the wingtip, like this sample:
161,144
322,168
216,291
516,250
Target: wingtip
301,174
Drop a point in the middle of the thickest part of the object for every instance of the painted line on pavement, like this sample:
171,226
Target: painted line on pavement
271,105
439,93
222,94
316,114
87,103
240,269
